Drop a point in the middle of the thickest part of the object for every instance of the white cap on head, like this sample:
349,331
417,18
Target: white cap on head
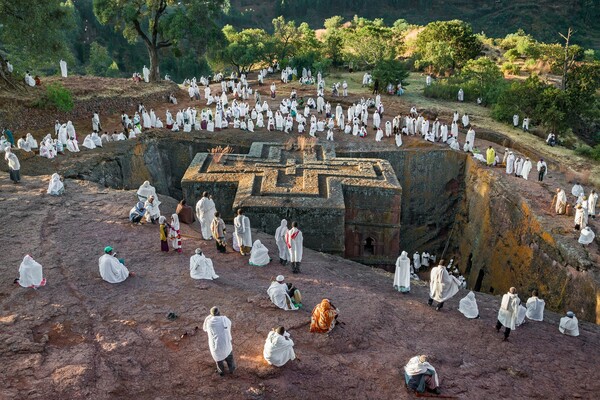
279,278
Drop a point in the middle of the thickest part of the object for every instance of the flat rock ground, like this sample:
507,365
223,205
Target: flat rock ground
82,338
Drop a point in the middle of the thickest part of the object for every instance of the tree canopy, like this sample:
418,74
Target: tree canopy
162,23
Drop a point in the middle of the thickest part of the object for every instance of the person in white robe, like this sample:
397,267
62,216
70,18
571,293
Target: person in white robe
442,285
55,186
461,95
591,203
30,273
23,145
146,73
218,330
416,261
526,168
294,241
471,137
242,232
577,191
580,220
535,307
510,163
63,68
420,376
569,325
112,270
280,241
152,209
205,212
278,293
516,120
378,135
521,313
279,348
201,267
145,191
32,142
508,312
29,79
468,306
586,236
72,145
398,138
402,273
542,169
259,255
89,143
96,139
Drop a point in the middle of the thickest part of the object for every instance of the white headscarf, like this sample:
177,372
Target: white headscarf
468,306
30,273
175,222
259,255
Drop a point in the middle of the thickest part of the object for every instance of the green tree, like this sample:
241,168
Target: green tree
369,42
100,61
245,48
333,39
161,23
455,36
484,74
32,32
390,71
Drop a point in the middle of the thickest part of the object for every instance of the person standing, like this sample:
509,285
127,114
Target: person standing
218,231
175,233
402,274
205,211
508,312
242,232
164,233
542,169
294,240
218,329
14,166
490,156
280,234
442,286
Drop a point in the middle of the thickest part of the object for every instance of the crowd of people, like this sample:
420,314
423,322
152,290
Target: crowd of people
293,114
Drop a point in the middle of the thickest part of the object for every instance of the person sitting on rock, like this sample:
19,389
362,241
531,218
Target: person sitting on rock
279,348
324,317
535,307
569,325
420,376
112,269
278,293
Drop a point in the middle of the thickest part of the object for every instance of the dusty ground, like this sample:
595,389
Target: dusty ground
82,338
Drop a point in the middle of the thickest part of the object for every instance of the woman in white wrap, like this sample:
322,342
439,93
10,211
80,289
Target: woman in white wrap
30,273
201,267
111,269
259,255
55,187
280,240
468,306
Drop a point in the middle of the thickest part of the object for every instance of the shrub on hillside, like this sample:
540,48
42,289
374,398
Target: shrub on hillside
589,152
56,96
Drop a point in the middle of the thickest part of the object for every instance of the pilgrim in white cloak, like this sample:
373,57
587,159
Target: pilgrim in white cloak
569,325
63,68
111,269
526,169
201,267
509,309
279,348
242,232
510,163
89,143
280,241
294,240
145,191
218,329
535,308
468,306
402,274
31,141
30,273
259,255
586,236
55,187
205,212
278,293
442,286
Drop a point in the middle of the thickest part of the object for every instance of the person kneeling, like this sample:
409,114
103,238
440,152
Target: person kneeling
420,375
279,295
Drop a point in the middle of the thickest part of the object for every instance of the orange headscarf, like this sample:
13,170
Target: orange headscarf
323,317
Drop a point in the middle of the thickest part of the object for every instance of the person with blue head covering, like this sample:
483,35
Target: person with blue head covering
137,213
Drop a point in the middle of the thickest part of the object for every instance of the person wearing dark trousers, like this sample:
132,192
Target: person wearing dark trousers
508,312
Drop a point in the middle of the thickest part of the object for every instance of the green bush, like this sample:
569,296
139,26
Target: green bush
589,152
56,96
511,68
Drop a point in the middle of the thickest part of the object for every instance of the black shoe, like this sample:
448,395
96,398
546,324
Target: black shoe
220,372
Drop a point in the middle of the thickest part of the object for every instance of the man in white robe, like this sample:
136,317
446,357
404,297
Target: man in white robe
30,273
145,191
294,241
278,293
461,95
112,270
508,312
526,168
201,267
535,307
416,261
592,201
510,163
152,210
402,273
468,306
205,212
420,376
146,73
242,231
279,348
218,329
569,325
442,285
280,241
